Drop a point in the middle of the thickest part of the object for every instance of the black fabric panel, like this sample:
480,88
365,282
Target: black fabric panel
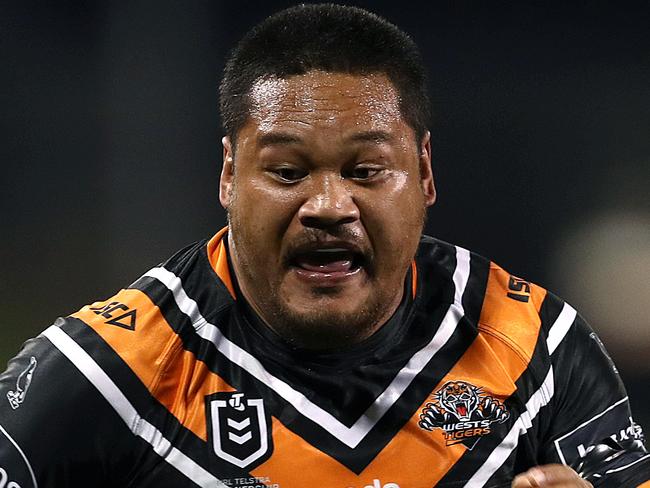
199,279
590,392
550,311
476,287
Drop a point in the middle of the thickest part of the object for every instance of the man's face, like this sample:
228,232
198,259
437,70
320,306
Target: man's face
326,192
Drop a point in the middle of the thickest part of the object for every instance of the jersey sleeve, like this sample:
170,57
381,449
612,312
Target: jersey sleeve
590,427
55,428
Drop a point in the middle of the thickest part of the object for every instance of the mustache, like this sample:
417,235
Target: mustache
311,239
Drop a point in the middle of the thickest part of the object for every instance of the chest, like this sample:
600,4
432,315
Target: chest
463,425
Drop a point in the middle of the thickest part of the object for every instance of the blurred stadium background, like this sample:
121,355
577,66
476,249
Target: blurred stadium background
110,148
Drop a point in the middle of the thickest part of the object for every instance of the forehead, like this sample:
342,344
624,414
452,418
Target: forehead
319,98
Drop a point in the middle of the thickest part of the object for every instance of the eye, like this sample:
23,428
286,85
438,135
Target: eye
364,172
288,174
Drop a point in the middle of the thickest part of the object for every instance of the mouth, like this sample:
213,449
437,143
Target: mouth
328,260
327,266
462,410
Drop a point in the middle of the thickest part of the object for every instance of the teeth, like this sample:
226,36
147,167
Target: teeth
331,250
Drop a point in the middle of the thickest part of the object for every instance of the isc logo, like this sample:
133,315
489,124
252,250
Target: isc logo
125,320
519,289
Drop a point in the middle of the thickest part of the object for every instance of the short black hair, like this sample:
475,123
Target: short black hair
326,37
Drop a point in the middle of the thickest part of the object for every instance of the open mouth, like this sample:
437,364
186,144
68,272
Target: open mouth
328,261
462,410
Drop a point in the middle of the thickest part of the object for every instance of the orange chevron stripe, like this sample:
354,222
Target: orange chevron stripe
155,354
511,326
218,257
414,279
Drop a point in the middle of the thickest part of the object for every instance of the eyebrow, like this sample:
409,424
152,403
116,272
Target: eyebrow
277,139
372,136
284,138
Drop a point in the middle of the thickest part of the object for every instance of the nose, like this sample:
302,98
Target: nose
330,203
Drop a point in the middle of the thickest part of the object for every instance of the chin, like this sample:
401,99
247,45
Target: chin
314,318
326,325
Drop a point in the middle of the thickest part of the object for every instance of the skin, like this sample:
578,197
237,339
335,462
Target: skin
325,159
550,476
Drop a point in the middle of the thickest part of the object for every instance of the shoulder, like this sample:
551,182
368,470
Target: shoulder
559,373
508,311
126,358
145,325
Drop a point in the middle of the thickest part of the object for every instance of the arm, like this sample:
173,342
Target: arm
590,427
55,428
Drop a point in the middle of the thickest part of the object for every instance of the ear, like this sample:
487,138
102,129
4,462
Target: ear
227,173
426,173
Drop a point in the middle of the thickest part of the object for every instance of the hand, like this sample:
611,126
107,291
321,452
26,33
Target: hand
550,476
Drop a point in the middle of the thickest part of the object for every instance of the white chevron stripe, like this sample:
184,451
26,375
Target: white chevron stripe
351,436
509,443
560,327
127,412
540,398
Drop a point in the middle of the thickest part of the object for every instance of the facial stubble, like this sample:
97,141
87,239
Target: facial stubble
320,326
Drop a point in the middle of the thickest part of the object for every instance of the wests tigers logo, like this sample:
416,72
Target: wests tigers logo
463,411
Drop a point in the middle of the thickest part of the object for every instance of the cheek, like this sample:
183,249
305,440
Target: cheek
263,206
260,190
398,207
394,221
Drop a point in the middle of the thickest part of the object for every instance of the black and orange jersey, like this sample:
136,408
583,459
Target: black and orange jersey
173,382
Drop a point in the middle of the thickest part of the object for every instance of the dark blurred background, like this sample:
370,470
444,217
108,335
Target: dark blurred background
110,148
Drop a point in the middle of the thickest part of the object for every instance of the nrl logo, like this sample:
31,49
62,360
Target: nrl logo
463,411
239,428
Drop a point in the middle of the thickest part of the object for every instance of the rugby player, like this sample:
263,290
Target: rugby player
320,339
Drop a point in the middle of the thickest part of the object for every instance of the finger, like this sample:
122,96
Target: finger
550,476
532,478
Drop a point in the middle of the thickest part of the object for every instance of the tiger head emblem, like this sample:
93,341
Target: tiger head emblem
459,398
463,411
